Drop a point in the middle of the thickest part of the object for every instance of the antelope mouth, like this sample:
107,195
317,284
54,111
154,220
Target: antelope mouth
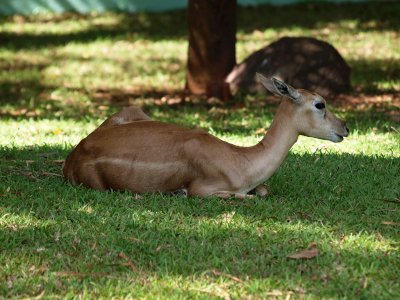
339,137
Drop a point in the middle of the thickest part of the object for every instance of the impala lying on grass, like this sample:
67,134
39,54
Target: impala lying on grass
131,152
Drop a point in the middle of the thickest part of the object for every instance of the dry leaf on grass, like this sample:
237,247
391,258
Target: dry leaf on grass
278,293
39,295
58,161
38,269
51,174
391,223
215,292
261,131
162,247
137,197
79,274
11,193
397,201
135,239
275,293
129,263
308,253
234,278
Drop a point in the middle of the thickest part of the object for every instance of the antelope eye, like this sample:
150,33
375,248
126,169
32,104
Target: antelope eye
320,105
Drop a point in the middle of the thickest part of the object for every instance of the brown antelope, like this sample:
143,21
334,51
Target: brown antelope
131,152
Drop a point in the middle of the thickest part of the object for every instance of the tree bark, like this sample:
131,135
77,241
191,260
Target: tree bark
212,53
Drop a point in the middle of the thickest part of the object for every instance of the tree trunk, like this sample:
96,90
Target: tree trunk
212,54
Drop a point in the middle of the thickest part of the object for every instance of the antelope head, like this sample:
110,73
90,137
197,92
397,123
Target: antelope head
309,113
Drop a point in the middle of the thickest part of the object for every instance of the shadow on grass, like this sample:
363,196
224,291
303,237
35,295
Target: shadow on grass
339,199
367,74
26,94
172,25
150,26
314,15
25,91
329,200
345,179
351,186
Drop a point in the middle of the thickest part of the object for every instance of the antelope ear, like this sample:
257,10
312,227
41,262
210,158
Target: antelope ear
278,87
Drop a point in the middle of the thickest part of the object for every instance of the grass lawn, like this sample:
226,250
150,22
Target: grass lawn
61,75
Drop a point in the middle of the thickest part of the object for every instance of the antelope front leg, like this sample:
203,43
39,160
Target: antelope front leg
226,195
260,191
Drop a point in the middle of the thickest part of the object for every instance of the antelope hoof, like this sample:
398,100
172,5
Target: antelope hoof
226,195
243,196
261,191
179,193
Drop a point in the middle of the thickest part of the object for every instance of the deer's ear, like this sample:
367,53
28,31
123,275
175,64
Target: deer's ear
278,87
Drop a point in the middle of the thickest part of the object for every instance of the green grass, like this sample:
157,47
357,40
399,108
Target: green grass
61,75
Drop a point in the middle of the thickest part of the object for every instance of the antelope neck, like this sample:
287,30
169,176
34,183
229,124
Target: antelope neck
282,134
270,152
